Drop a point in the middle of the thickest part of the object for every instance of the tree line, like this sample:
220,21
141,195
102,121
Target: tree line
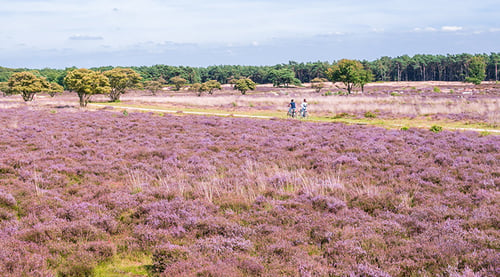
402,68
353,73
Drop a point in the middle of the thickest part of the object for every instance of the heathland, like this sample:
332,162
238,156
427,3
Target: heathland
112,191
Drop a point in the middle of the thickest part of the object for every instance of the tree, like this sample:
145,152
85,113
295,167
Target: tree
210,86
54,88
244,85
495,58
86,83
365,77
477,70
27,84
318,83
178,82
119,80
196,87
349,72
4,88
153,86
284,77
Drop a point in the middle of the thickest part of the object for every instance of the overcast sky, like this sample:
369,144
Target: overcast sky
64,33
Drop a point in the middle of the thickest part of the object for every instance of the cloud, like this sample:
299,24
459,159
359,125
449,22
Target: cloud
258,25
451,28
85,37
426,29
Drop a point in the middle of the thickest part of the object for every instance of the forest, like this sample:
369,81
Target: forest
451,67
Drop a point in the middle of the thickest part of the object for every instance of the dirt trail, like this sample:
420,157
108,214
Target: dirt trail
267,117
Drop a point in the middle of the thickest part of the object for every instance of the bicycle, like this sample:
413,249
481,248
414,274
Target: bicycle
291,113
303,113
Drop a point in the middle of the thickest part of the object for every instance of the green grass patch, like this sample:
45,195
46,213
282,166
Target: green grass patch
369,114
129,265
436,128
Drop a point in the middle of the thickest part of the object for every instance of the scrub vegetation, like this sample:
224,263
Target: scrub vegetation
100,193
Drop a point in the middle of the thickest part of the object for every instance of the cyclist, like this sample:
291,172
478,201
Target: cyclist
292,106
303,108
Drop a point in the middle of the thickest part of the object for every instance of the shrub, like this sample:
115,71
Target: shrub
101,250
250,267
7,200
436,89
77,265
436,128
330,204
166,255
220,245
369,114
341,115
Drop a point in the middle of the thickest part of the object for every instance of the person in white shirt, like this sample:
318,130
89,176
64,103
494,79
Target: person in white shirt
303,108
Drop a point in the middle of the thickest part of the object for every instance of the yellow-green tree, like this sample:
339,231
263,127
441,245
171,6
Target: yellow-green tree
4,88
244,85
86,83
27,84
121,79
210,86
54,88
153,86
318,83
196,87
178,82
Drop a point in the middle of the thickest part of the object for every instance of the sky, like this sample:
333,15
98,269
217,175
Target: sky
92,33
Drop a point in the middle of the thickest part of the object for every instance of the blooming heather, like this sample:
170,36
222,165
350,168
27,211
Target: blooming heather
212,195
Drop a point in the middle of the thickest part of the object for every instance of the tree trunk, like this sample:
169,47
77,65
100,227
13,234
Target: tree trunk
27,97
114,95
84,99
399,73
496,72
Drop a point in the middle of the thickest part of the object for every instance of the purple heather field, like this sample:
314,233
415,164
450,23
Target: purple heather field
214,196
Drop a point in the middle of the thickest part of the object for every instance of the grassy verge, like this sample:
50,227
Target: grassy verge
130,265
393,123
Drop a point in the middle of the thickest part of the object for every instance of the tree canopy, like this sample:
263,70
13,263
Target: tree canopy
349,72
54,88
210,86
477,70
86,83
451,67
178,82
121,79
27,84
318,83
196,87
283,76
153,86
244,85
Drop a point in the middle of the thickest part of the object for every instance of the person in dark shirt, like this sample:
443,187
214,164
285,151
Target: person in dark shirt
292,106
